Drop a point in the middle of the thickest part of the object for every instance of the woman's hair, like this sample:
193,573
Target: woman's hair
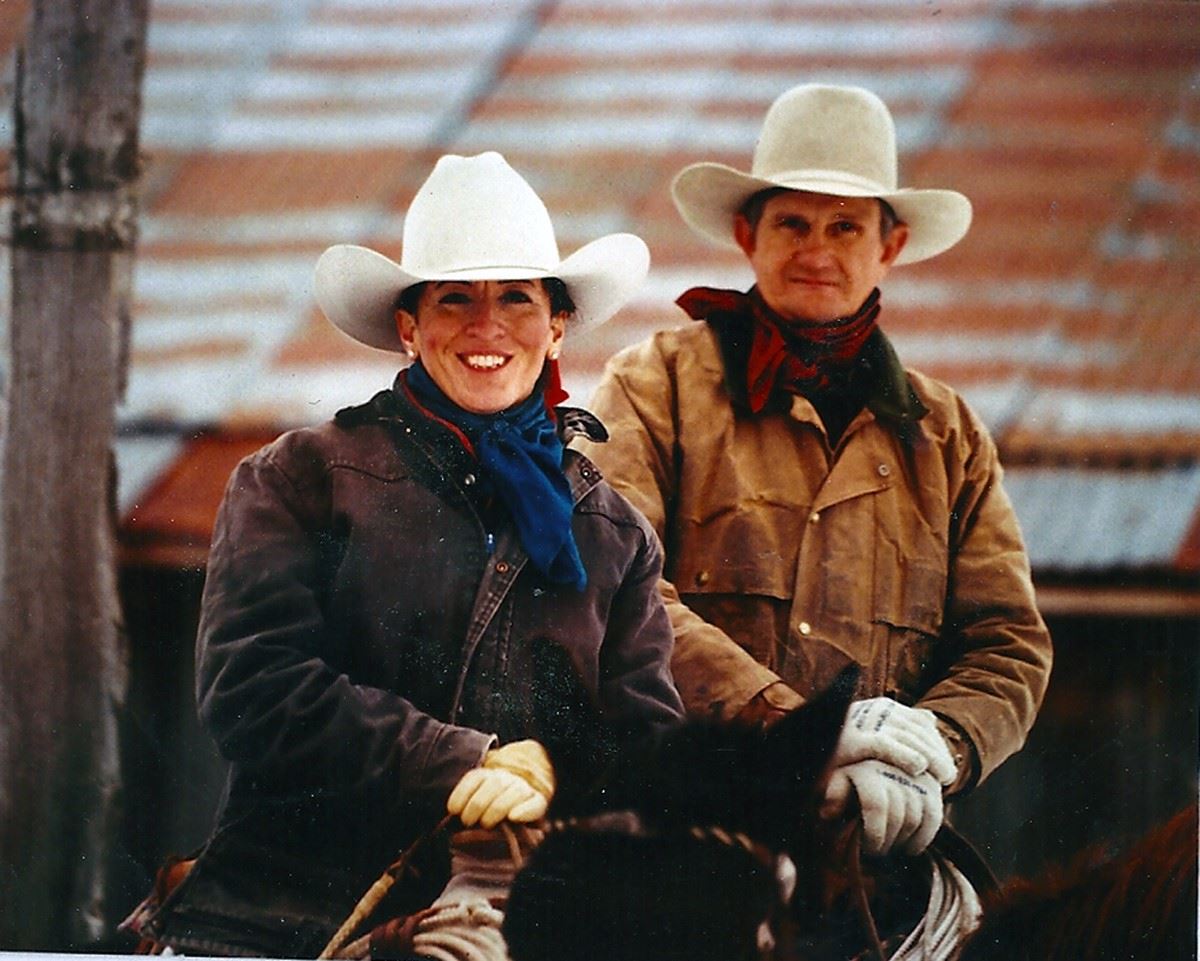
560,297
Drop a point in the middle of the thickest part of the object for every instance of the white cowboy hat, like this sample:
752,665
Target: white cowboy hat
827,140
474,218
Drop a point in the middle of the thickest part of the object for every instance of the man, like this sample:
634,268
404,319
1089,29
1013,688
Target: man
821,505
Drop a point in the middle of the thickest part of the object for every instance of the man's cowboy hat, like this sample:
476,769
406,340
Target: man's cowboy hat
474,218
826,140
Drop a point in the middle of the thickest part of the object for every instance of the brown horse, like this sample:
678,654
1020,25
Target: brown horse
1139,905
709,848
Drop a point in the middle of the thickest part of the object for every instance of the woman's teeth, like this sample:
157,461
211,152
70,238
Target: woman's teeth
485,361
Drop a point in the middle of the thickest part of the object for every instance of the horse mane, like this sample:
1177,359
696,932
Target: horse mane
1140,905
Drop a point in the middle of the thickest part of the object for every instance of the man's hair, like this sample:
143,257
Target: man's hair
560,297
752,210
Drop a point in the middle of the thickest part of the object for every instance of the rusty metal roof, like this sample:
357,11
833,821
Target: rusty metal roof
1067,316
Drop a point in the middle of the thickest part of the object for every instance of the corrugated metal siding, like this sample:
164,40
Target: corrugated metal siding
1097,520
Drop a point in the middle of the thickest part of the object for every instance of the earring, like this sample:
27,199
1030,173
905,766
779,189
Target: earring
553,355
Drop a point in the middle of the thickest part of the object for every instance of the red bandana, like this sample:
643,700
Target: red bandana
797,356
554,392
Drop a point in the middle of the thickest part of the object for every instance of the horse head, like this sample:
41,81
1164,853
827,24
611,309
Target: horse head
706,845
684,849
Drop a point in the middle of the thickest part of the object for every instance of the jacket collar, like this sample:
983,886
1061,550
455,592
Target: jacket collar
878,376
890,395
392,407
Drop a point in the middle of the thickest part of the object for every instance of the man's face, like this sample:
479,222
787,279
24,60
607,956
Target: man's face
817,257
483,342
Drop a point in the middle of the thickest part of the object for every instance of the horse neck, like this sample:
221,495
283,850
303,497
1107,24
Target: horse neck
1141,905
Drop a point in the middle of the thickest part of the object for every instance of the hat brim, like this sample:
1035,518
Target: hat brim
709,195
357,287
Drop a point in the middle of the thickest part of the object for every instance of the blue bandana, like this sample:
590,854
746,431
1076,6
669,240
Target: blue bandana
521,455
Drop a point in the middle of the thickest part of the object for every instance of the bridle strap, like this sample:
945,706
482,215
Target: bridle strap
966,857
862,903
630,824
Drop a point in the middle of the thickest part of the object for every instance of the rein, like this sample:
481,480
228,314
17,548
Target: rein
377,891
959,874
862,903
338,947
630,824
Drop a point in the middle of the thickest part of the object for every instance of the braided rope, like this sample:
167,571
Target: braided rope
631,823
378,890
953,913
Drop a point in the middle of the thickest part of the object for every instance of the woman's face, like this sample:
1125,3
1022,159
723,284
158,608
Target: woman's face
483,342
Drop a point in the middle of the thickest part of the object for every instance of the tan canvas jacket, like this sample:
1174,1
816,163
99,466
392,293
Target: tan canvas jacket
786,559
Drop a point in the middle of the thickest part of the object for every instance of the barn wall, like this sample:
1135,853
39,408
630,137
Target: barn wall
173,775
1115,748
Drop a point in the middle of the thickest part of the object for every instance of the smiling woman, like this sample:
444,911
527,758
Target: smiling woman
409,609
484,343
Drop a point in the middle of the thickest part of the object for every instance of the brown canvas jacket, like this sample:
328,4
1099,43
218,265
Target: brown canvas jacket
786,559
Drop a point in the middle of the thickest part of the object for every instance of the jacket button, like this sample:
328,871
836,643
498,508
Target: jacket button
469,480
814,517
884,470
501,567
805,628
702,578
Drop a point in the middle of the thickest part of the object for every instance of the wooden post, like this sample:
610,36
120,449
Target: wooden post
73,177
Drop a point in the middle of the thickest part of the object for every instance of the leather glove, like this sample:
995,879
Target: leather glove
528,759
514,783
897,810
905,737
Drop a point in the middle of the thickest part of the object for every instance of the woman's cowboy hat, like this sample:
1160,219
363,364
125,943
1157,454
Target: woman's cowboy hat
474,218
827,140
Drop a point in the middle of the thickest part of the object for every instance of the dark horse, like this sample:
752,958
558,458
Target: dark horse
1141,905
708,846
679,854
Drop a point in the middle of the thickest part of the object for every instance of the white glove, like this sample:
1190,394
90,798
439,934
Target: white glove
897,810
905,737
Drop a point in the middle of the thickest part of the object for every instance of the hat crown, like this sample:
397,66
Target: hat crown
477,213
845,131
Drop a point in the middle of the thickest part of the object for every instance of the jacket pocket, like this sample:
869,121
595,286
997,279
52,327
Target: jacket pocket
739,550
909,592
737,570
